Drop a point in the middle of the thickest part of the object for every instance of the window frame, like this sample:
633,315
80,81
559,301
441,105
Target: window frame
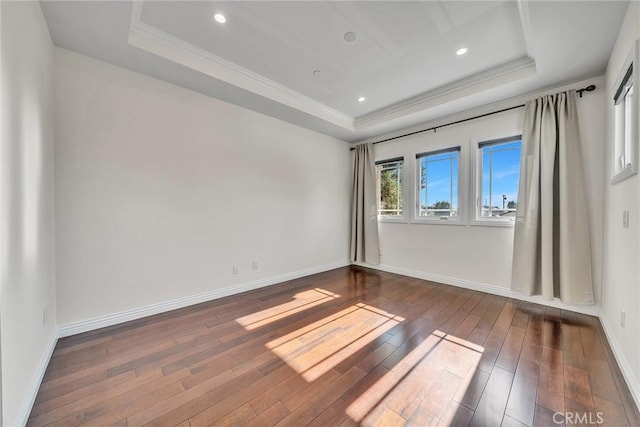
476,185
393,218
460,219
628,74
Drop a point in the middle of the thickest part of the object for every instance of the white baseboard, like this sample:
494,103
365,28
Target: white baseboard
627,372
137,313
592,310
124,316
32,392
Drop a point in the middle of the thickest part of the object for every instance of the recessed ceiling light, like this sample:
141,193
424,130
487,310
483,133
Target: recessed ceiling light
362,99
461,51
220,18
350,37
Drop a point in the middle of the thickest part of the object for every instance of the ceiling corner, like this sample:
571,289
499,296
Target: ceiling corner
527,30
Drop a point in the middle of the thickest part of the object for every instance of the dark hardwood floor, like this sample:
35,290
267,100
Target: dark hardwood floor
346,347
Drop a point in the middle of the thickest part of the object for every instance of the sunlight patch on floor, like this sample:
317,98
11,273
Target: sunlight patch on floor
301,301
429,381
315,349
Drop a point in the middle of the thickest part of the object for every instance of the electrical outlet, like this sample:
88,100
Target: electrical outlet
255,265
625,219
623,318
236,269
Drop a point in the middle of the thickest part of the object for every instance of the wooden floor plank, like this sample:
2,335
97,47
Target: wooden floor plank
270,416
109,411
577,386
305,414
493,402
522,398
474,389
511,347
347,347
235,399
551,380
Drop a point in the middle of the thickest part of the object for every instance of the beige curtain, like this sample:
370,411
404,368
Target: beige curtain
364,210
552,252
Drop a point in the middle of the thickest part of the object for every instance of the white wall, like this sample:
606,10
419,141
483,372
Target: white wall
27,275
160,191
480,256
622,246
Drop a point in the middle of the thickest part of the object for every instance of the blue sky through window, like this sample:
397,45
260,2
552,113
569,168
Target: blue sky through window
500,173
441,173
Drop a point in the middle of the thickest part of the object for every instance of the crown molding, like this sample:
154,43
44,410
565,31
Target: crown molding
153,40
497,76
485,109
160,43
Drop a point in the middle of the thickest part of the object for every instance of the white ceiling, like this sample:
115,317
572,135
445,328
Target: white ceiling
403,60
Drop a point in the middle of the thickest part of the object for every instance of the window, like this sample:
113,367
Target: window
437,184
625,113
389,188
497,176
623,121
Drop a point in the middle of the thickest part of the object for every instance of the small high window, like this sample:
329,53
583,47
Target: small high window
625,120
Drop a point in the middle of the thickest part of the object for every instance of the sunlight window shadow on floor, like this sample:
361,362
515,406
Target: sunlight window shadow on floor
302,301
318,347
431,381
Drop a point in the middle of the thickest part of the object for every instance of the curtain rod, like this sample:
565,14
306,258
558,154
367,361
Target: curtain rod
589,88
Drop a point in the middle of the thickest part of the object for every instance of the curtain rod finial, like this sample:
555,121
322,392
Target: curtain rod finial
589,88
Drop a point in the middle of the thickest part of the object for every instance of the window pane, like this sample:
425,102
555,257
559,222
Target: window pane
389,186
499,181
438,195
628,121
621,130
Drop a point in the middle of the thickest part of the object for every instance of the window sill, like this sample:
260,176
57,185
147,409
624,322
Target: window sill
623,174
393,219
493,223
457,221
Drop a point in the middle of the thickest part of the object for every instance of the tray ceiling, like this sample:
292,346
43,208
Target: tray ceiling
310,62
